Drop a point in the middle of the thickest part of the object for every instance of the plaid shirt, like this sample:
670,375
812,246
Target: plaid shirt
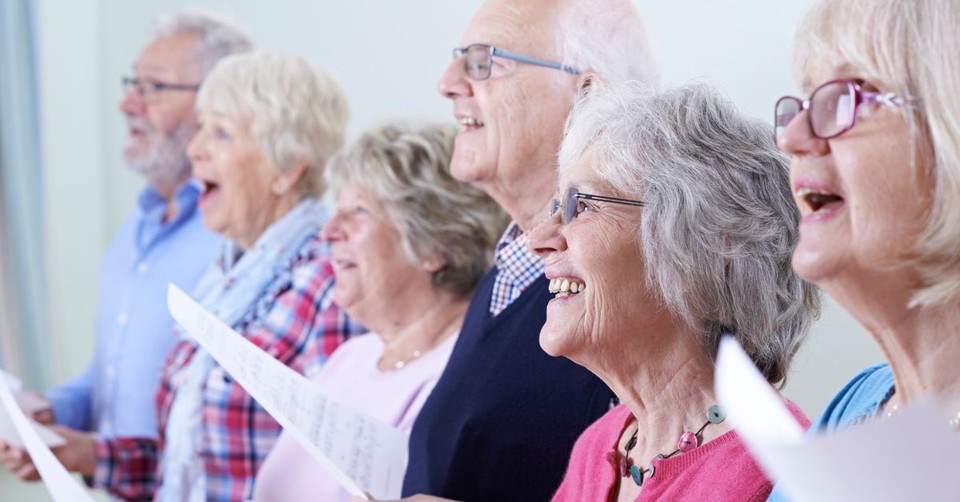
300,327
517,268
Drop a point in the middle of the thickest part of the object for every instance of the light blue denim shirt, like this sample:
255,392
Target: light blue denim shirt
134,332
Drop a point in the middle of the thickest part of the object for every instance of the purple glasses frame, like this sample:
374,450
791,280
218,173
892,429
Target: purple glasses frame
860,97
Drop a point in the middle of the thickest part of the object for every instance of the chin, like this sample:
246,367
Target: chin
812,266
553,342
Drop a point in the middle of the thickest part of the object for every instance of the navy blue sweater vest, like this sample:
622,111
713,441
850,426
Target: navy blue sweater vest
502,420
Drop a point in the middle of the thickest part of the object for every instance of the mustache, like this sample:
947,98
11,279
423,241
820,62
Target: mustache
140,124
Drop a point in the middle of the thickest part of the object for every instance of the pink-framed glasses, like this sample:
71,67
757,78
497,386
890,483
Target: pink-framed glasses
831,109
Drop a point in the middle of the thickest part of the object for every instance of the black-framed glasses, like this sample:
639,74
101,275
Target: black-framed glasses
572,204
832,108
478,60
149,89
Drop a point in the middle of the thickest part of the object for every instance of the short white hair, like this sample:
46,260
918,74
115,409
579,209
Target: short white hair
609,38
217,37
297,111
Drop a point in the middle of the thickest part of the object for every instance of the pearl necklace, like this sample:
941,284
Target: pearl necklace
892,410
687,442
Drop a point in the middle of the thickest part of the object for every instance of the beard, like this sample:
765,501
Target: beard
164,161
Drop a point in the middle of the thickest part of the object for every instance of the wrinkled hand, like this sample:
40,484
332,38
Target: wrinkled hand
44,415
79,454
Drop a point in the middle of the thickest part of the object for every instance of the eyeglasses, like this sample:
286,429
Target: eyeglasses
479,60
150,90
832,108
571,206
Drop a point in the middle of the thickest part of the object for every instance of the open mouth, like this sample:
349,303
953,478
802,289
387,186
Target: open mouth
565,287
208,191
819,201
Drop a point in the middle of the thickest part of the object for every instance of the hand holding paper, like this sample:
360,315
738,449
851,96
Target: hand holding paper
59,483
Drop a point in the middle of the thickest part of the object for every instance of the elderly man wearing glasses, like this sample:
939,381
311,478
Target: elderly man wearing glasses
504,416
115,395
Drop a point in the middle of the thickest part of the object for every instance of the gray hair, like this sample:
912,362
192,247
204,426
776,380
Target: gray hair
609,38
904,46
297,111
719,225
407,170
216,36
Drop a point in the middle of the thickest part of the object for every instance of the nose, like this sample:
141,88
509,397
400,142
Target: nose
798,139
196,149
332,231
547,238
453,82
132,103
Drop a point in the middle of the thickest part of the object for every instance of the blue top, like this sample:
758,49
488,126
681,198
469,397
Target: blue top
501,422
134,332
859,401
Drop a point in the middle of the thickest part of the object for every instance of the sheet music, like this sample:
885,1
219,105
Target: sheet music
913,455
59,483
364,454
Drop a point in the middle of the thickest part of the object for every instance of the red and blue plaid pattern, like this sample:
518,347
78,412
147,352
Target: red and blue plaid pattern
517,268
301,328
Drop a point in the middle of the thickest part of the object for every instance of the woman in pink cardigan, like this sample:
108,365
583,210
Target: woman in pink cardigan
673,227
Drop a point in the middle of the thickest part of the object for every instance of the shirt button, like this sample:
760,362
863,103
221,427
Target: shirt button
142,267
122,319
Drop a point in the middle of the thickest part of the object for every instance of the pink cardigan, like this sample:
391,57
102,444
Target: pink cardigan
720,470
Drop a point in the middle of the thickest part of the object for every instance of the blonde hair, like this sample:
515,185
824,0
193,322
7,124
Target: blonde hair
297,111
909,47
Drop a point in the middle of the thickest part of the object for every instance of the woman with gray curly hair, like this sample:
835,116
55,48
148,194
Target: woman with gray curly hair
674,227
409,246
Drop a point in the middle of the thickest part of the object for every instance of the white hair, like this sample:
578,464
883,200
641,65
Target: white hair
296,110
217,37
607,37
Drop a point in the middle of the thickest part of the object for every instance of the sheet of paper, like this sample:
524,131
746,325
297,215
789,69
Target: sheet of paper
362,453
913,455
61,485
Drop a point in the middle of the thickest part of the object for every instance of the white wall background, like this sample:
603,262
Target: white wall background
388,55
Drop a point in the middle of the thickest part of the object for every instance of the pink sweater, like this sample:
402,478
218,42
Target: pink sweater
721,470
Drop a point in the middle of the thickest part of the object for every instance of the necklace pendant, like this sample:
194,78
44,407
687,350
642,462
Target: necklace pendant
637,474
688,441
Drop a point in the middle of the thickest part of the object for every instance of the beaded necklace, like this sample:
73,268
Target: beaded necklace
687,442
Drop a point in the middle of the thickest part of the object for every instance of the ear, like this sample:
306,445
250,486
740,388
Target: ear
288,179
589,83
434,264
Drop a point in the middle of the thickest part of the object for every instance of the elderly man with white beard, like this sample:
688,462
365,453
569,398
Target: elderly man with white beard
162,241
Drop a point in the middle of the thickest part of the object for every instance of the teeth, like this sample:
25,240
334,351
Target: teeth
470,121
565,287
